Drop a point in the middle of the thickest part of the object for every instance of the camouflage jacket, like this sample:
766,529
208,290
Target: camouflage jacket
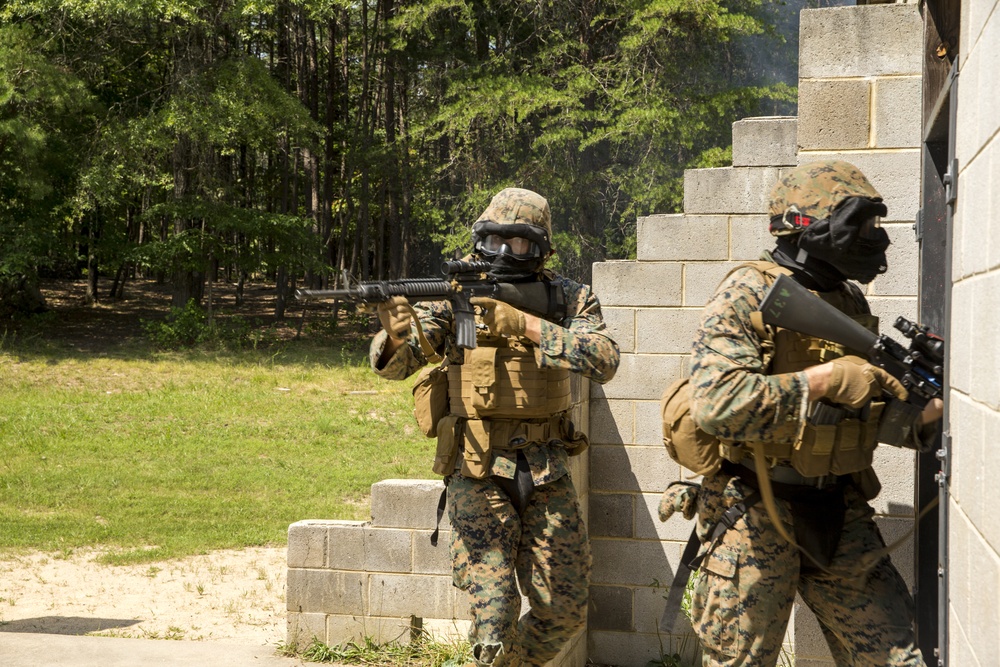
580,343
732,394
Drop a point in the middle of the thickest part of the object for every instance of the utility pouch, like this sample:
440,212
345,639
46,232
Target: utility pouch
482,363
447,445
812,453
867,483
477,455
687,444
430,398
576,442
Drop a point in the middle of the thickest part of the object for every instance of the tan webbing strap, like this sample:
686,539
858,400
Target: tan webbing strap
767,496
425,346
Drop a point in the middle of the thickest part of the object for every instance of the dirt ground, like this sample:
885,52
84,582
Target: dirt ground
225,596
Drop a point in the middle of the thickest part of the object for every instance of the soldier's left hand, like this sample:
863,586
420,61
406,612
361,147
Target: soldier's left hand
679,497
501,318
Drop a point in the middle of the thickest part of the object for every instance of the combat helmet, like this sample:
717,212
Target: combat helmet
514,233
811,192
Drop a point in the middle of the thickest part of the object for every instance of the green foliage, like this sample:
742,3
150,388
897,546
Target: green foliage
420,650
189,327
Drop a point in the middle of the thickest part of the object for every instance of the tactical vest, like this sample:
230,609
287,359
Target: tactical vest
500,399
835,439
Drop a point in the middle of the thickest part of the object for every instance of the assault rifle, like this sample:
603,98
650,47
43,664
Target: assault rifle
463,280
920,367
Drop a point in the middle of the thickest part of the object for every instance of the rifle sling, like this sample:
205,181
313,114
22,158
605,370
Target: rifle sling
425,346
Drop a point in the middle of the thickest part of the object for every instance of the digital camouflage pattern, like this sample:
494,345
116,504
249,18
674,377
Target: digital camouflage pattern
743,594
519,206
546,548
744,591
815,189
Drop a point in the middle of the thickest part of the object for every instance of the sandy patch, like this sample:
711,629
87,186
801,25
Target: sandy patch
225,596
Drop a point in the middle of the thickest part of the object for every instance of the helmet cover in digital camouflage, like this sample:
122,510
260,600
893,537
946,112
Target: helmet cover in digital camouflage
812,191
514,233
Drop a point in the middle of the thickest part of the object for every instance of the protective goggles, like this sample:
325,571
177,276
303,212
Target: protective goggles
518,241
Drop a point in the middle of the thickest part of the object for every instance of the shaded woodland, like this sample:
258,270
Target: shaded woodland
290,141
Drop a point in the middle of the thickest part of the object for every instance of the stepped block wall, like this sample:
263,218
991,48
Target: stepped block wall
859,100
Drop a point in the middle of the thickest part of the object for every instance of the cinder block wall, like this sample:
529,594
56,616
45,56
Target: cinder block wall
859,100
974,400
348,580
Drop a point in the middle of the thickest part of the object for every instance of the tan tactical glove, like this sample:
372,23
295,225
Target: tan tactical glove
394,316
854,382
679,497
502,319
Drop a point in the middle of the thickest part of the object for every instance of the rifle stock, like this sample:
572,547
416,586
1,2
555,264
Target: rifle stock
790,306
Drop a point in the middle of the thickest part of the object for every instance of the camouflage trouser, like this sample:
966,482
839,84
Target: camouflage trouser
548,550
743,594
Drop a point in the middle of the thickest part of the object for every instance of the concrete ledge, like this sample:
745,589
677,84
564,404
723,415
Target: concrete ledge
629,283
405,503
682,237
765,142
864,40
728,189
834,113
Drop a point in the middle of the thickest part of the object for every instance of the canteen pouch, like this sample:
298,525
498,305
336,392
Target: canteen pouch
447,445
687,444
430,398
477,455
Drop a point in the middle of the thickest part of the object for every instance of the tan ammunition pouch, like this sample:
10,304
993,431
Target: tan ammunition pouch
504,381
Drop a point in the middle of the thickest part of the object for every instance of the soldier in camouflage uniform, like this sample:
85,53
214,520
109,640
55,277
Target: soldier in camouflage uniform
825,216
516,523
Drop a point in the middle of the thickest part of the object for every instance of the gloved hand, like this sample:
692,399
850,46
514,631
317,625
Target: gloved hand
854,381
501,318
394,315
679,497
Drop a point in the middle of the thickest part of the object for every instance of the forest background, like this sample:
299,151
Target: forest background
286,141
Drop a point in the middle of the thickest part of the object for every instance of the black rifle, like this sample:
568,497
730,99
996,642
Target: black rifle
919,368
464,280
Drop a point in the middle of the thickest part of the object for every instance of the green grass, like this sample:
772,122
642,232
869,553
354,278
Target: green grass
160,455
422,650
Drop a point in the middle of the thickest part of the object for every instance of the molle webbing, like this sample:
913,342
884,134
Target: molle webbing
505,382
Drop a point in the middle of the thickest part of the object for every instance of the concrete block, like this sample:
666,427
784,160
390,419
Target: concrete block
834,114
666,330
611,514
632,562
984,595
993,259
648,605
985,306
628,283
612,422
895,468
897,112
960,573
326,591
342,629
405,503
307,542
620,323
903,257
765,141
447,630
388,549
648,525
809,641
959,342
868,40
967,139
634,469
626,649
701,280
895,174
641,377
682,237
975,189
989,526
648,424
989,101
749,237
610,608
405,595
887,309
728,189
302,629
428,559
346,546
573,652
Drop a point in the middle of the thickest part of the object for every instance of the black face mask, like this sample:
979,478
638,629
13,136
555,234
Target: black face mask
848,240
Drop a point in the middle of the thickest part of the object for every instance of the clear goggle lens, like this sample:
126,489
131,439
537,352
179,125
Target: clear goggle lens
516,246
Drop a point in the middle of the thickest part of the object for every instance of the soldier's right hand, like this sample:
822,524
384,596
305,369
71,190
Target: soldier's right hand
853,382
394,315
